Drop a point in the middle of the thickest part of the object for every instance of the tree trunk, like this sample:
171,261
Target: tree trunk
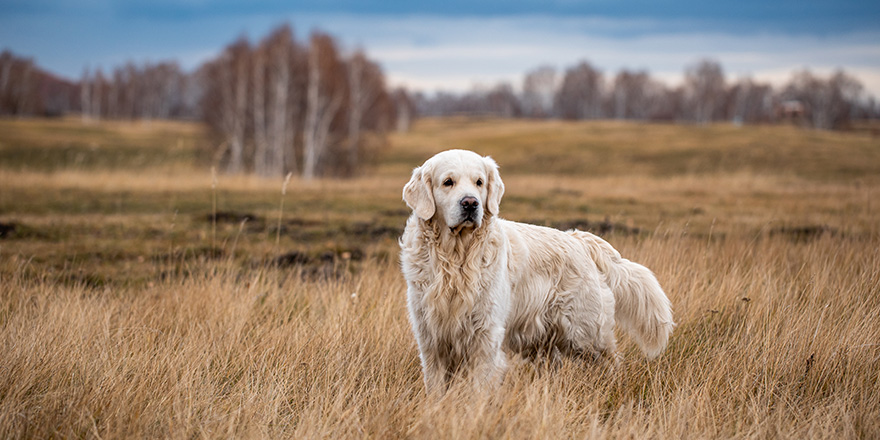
85,96
280,116
313,102
260,142
356,88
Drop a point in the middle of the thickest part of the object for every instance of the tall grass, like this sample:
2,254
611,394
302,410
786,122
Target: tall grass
117,320
775,339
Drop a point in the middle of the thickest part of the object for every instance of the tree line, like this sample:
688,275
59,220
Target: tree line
279,106
583,92
28,90
147,91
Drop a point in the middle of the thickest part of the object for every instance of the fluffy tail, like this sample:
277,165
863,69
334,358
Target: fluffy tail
641,307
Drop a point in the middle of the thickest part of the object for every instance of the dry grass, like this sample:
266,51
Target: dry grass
774,339
117,322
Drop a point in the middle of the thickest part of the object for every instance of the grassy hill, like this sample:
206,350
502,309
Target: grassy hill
143,296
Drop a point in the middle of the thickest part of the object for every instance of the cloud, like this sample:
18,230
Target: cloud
508,47
453,52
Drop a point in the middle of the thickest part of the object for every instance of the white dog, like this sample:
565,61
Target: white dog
479,285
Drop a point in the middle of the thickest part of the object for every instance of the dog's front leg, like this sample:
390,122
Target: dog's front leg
435,374
488,361
488,374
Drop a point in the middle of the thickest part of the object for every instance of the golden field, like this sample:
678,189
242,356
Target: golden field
141,296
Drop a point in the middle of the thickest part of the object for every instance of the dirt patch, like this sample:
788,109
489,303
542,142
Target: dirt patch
373,230
329,257
232,217
603,227
331,264
7,230
294,258
805,233
14,230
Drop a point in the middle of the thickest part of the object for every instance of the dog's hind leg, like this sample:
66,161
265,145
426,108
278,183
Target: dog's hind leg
587,328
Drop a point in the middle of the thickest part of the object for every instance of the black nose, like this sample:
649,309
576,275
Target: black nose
469,204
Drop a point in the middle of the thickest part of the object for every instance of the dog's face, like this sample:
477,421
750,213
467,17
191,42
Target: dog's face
456,187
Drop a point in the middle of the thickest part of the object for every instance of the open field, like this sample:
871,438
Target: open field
140,299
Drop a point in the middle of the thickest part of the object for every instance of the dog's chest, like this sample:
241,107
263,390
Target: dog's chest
454,285
450,292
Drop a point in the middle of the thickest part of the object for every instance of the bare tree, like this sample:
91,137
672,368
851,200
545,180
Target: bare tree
580,96
85,93
704,88
98,86
240,108
275,91
404,110
6,62
750,102
828,103
258,100
283,53
365,84
113,94
539,87
225,104
325,97
259,110
630,95
27,90
501,101
847,93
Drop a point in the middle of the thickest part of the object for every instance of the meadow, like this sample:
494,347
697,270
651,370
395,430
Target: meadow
143,295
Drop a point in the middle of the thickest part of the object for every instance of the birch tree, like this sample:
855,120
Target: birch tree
284,94
580,95
365,84
404,110
629,95
704,88
258,111
324,99
225,103
539,86
85,94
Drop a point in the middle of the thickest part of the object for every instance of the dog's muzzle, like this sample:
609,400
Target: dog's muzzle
469,207
470,214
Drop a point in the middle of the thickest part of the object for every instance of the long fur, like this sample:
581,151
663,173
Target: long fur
640,305
479,289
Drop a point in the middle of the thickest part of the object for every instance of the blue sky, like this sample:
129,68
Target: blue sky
456,44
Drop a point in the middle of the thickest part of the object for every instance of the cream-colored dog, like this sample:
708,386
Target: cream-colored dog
479,285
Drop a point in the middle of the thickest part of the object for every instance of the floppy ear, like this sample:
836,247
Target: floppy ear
418,195
494,186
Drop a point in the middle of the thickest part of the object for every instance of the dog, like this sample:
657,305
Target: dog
479,286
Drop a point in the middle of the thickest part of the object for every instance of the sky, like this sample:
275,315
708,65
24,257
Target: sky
457,44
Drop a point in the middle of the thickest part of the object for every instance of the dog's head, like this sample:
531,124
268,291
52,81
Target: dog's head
456,187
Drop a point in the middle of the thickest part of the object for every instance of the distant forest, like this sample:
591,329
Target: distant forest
583,92
310,108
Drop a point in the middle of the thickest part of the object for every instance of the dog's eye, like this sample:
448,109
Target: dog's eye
479,182
448,182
